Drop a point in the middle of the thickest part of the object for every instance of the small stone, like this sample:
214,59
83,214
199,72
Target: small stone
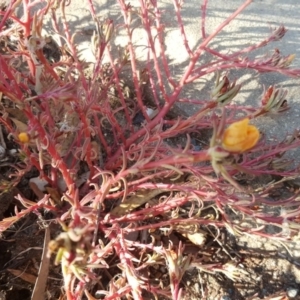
292,293
12,152
225,297
197,287
39,182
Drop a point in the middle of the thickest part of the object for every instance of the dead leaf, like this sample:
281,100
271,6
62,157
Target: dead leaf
40,284
135,201
198,238
21,274
55,196
193,233
17,114
21,127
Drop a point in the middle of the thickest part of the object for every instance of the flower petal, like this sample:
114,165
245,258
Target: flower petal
240,136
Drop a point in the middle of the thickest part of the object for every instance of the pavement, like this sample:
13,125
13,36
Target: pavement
251,26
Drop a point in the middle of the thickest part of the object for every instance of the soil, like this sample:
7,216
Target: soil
266,270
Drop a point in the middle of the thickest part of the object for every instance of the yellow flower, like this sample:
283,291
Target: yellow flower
24,137
240,136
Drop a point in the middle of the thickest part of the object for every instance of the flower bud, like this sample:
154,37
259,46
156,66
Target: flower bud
106,31
24,137
224,91
274,100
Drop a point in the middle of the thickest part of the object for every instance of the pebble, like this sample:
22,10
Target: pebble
225,297
292,293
